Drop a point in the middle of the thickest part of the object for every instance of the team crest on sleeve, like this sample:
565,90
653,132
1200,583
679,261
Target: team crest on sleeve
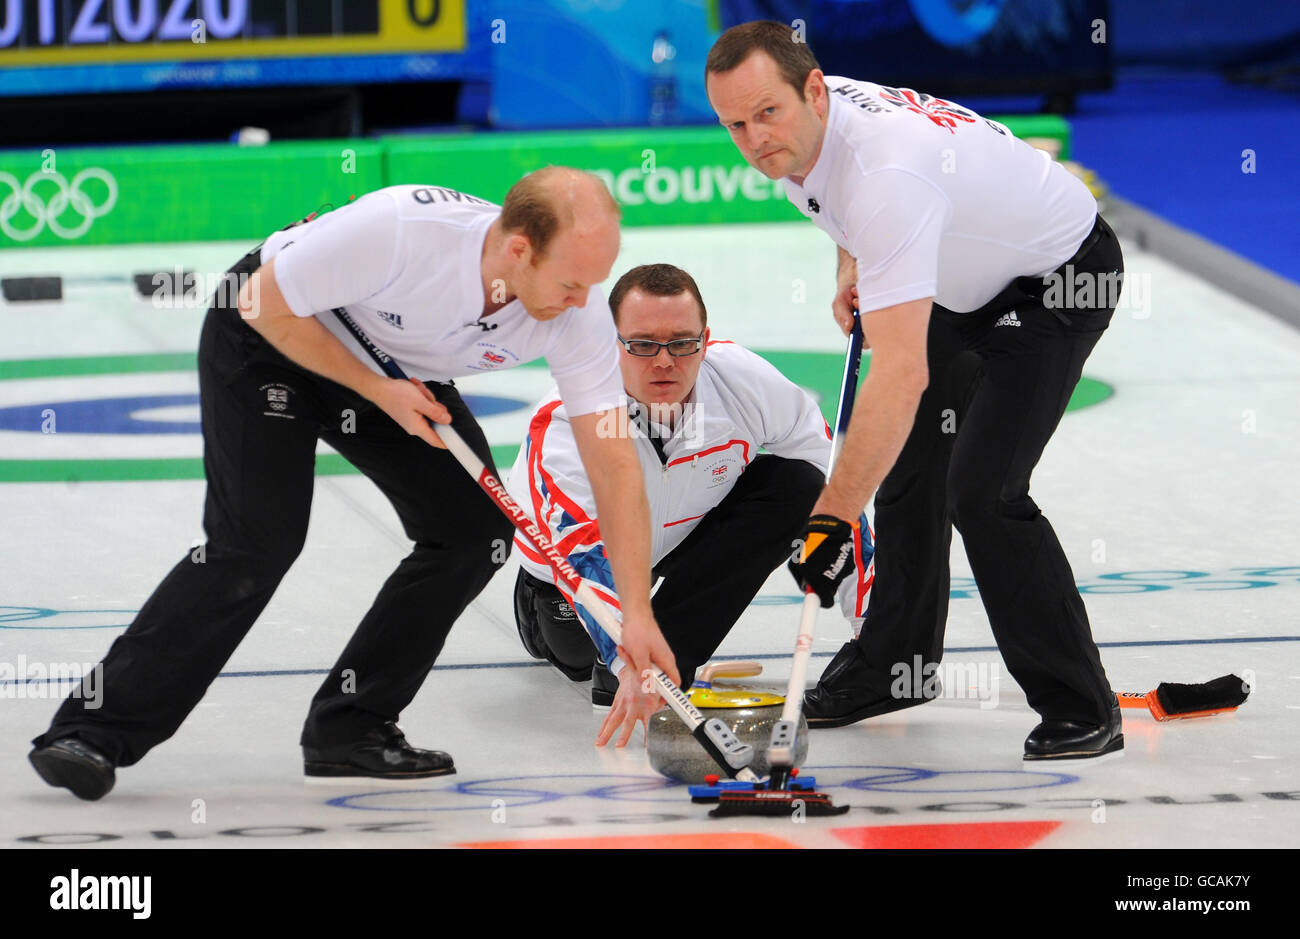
941,112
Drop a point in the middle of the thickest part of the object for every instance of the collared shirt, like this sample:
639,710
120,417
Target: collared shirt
934,200
740,404
406,262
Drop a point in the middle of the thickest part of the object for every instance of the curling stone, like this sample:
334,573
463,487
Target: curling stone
750,714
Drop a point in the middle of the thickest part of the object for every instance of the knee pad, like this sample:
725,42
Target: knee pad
550,629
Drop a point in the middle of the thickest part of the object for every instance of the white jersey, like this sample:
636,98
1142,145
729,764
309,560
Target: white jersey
405,262
934,200
739,405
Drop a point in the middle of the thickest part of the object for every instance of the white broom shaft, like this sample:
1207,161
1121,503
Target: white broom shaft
808,615
802,656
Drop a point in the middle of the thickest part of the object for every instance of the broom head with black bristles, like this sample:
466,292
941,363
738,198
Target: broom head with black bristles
1174,701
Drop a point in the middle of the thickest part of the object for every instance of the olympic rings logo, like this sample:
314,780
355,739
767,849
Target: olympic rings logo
68,194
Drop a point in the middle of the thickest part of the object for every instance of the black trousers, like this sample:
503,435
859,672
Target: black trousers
708,580
261,417
997,392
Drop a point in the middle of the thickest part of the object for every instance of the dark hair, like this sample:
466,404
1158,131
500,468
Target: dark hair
538,204
786,48
658,280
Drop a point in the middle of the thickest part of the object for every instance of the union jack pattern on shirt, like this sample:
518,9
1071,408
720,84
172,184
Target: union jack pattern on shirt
944,113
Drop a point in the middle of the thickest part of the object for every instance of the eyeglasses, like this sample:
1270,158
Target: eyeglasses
676,347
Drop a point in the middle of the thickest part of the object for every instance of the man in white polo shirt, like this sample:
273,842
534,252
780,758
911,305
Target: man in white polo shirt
448,285
722,514
964,249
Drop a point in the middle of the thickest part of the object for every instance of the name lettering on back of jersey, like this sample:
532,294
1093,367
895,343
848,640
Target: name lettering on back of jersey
867,103
427,195
858,97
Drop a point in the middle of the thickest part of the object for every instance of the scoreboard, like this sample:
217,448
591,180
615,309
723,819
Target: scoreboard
47,32
40,37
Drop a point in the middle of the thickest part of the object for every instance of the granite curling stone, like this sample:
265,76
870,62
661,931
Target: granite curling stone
749,713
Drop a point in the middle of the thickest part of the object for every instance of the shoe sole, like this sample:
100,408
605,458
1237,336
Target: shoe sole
861,714
1111,751
65,771
343,783
327,771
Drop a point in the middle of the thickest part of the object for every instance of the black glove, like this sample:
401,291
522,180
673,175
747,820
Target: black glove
825,558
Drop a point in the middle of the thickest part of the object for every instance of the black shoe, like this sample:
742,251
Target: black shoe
1074,740
845,692
381,754
603,686
75,765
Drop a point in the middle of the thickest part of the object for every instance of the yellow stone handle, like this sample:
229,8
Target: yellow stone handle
730,670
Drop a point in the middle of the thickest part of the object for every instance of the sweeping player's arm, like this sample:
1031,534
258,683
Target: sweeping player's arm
894,256
303,340
886,406
793,428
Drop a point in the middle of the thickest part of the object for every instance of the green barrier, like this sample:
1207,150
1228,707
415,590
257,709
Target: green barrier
665,176
1046,126
217,192
204,192
677,176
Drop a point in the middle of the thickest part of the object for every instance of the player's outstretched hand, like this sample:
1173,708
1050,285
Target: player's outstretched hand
645,649
825,556
632,706
409,403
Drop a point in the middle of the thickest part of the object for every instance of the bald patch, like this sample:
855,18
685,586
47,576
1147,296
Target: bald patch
555,199
578,198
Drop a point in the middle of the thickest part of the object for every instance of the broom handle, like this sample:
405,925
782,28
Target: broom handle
808,615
